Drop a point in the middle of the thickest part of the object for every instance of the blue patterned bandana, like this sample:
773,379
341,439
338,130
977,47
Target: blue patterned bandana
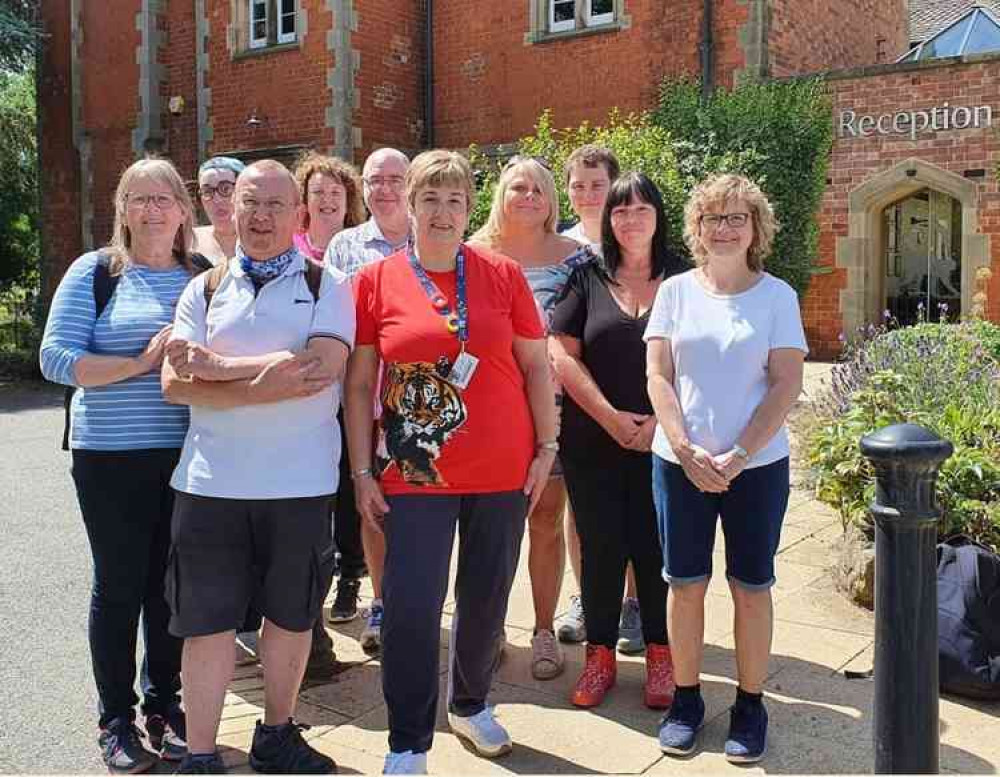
267,270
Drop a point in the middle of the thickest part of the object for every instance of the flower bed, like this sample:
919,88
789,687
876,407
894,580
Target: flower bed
945,377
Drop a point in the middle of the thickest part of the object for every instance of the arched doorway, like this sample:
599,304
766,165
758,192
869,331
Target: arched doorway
864,252
923,257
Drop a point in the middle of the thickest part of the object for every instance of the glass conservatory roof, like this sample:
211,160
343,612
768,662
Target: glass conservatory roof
975,33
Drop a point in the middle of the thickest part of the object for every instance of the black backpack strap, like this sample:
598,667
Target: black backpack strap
104,283
200,263
67,406
314,278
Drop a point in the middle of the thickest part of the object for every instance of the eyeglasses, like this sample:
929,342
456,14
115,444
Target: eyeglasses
394,182
271,207
140,201
224,190
732,220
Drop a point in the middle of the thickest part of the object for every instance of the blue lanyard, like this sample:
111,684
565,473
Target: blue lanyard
457,322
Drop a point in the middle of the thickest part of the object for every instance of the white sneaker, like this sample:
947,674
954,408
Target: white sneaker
482,731
247,648
406,762
371,635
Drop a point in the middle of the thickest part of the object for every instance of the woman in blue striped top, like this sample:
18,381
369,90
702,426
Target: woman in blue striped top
125,443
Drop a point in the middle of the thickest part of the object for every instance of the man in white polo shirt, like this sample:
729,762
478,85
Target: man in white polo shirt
256,356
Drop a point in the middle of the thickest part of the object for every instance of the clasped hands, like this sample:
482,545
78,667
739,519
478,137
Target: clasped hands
711,474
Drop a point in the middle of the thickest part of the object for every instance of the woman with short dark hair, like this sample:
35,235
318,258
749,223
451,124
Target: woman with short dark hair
607,430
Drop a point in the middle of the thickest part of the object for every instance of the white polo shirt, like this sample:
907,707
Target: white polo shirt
277,450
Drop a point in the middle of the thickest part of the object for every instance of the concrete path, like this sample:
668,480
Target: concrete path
820,722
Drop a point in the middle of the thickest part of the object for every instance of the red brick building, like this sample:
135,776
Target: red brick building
270,77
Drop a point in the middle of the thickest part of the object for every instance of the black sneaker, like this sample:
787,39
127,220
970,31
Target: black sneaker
345,604
167,734
210,763
122,750
282,750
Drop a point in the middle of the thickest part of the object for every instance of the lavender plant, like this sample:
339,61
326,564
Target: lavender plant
943,376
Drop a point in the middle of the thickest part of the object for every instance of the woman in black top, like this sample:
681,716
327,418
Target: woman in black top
607,431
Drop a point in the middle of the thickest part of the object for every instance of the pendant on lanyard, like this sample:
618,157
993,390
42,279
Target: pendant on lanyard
456,322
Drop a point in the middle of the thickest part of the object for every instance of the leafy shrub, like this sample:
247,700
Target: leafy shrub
638,144
945,377
778,134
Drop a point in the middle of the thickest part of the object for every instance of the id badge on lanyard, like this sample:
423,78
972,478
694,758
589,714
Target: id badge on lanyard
460,372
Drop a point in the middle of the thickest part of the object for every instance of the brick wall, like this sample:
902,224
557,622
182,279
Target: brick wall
109,101
285,89
390,82
59,163
857,159
490,86
178,57
806,36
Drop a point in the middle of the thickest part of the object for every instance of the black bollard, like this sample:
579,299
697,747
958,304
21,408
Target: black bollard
906,459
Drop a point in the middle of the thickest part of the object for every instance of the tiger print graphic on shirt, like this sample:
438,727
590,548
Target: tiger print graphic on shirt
421,410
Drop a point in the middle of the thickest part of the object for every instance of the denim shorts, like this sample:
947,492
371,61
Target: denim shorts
752,511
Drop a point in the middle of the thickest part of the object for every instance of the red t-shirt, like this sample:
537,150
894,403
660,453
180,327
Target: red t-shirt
434,436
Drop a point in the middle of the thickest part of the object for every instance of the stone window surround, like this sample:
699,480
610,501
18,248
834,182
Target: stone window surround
861,252
539,20
239,40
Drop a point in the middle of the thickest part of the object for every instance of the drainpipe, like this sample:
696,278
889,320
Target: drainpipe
429,75
707,51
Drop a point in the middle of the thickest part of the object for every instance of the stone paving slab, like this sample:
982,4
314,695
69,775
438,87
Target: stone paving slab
820,721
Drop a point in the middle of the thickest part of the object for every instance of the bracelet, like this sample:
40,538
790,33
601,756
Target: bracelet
548,445
362,473
741,452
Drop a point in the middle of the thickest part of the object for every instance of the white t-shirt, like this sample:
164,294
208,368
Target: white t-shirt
576,233
720,345
277,450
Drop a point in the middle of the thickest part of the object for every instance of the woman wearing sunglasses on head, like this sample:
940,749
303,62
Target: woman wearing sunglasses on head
522,225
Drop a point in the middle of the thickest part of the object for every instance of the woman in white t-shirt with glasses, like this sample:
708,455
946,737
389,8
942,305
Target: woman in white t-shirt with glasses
724,366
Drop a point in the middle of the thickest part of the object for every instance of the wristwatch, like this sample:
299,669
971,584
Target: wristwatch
741,452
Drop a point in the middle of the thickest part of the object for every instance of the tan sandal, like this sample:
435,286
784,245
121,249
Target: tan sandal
547,660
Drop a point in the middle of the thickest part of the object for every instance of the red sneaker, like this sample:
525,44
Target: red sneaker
598,677
659,691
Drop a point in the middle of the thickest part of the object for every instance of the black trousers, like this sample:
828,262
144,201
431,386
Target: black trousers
127,503
612,498
419,534
346,518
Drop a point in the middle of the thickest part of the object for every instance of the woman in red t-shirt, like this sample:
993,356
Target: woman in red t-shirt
466,439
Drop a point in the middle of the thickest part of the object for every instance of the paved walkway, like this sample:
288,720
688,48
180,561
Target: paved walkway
821,723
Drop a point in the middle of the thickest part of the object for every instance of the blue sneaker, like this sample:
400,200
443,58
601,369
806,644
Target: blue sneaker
747,740
679,727
371,635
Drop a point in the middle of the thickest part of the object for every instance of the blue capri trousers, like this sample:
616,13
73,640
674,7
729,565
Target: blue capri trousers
751,512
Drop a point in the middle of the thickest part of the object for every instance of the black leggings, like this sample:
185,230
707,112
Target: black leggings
127,502
616,520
